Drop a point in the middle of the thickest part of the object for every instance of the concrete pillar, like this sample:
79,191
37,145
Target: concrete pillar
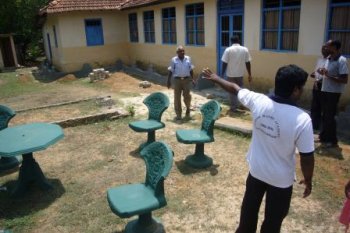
13,48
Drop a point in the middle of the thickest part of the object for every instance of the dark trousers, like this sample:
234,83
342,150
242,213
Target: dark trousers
316,106
276,206
329,126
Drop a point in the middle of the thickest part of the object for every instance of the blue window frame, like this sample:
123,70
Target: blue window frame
55,35
94,32
195,24
339,24
133,29
49,46
169,25
148,26
280,25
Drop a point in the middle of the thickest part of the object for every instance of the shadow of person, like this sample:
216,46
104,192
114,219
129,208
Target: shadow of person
187,170
9,171
33,200
333,152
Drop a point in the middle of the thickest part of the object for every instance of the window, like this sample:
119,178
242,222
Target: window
94,32
339,24
195,24
230,21
134,32
280,29
148,24
55,36
169,25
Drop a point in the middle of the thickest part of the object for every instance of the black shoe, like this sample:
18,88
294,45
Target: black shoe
188,113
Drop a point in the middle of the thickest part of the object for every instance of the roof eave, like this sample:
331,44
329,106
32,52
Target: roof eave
145,4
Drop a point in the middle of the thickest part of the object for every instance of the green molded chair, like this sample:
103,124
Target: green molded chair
156,103
7,163
6,114
141,199
210,112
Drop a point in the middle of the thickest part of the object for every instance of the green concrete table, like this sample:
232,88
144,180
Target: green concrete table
24,140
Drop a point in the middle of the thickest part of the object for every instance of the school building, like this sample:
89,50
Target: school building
277,32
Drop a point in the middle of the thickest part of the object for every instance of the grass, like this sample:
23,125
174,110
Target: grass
92,158
13,85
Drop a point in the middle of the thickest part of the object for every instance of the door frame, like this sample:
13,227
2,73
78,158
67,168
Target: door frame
231,12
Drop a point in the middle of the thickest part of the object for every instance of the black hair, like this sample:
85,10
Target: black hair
335,43
235,39
287,78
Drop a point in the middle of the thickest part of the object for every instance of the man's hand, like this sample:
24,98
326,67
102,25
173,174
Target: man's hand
169,84
250,78
322,71
194,82
227,86
308,187
208,74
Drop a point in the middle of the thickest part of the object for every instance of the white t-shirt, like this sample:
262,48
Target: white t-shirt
335,67
236,56
321,63
278,130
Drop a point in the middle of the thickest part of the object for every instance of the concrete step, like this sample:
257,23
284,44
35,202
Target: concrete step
235,125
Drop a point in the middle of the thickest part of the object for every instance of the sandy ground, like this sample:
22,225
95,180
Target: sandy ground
93,158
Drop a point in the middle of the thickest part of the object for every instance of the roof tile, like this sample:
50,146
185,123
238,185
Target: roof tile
58,6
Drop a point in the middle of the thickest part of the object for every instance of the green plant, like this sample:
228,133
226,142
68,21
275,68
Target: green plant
131,109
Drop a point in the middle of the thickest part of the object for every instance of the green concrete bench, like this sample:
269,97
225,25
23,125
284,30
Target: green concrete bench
210,112
141,199
156,103
7,163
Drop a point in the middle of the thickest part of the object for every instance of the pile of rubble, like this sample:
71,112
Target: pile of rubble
98,74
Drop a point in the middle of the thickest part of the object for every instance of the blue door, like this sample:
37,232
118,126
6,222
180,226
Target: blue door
230,14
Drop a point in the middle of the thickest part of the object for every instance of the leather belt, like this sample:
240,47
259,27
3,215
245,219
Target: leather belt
181,78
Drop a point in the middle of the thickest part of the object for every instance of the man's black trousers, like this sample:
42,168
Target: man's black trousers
276,206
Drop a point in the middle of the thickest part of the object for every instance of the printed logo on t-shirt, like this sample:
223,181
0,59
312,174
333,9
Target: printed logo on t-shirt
268,125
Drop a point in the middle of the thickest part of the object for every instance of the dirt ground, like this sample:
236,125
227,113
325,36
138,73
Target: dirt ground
92,158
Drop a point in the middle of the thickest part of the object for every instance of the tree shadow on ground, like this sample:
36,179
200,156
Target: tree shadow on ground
33,200
187,170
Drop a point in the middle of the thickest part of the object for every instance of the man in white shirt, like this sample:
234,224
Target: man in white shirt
235,60
279,128
316,103
181,70
333,85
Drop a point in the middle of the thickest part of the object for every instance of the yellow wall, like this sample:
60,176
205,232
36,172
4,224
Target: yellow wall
159,53
56,52
72,51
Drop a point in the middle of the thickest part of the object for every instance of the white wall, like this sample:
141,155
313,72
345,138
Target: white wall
312,31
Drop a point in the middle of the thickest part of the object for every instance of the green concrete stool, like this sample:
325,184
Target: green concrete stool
156,103
7,163
210,112
141,199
